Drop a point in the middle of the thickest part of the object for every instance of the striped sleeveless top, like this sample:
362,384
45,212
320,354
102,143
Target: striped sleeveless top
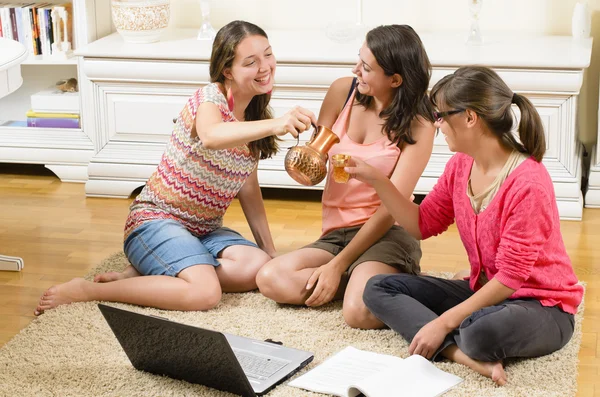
193,185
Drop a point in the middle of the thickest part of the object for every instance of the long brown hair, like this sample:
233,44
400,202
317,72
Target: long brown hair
481,89
223,53
398,49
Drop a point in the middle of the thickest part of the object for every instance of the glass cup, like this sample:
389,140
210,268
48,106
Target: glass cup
339,161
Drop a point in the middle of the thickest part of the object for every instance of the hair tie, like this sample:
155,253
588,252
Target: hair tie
514,98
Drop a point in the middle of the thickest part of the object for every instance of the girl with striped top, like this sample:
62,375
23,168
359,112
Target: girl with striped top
174,235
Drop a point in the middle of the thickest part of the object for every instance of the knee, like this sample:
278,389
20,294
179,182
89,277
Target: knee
267,279
248,279
478,337
479,348
372,294
357,315
202,298
258,261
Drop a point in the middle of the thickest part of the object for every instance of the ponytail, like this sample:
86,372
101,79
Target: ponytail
531,130
480,89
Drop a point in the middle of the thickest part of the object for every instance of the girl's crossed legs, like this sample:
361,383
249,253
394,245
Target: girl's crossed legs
512,328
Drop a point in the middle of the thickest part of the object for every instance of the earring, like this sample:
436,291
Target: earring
230,101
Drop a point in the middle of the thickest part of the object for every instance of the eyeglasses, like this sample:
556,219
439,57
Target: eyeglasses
438,116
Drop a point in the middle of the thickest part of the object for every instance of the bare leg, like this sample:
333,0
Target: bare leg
284,278
129,271
493,370
356,313
239,266
195,288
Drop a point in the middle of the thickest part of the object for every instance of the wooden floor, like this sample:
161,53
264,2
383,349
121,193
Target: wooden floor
62,234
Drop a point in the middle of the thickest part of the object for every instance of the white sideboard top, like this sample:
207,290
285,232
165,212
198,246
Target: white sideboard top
313,46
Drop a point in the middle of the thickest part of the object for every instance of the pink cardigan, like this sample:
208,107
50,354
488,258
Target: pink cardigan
516,239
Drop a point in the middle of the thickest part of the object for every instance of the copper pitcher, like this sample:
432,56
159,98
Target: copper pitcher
307,164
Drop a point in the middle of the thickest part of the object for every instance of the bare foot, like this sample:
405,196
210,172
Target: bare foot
71,291
494,370
490,369
129,271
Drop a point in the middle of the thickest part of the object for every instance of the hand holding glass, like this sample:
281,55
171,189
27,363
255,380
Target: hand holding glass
339,161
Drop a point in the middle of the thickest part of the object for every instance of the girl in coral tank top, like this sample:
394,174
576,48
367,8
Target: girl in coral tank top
386,121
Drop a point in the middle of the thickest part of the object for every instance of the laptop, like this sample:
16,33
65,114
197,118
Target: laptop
239,365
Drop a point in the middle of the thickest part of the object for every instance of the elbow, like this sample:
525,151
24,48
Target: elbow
210,143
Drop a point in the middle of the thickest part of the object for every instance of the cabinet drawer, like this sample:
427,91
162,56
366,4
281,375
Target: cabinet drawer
141,113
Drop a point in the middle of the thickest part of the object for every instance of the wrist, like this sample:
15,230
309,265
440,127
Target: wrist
339,265
448,321
274,128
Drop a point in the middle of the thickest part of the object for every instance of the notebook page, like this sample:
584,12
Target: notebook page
347,367
417,377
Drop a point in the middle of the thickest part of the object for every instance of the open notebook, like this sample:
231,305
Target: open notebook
351,372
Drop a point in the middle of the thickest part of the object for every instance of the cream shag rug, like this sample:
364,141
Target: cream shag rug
71,351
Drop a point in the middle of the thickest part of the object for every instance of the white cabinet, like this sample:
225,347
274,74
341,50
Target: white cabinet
66,152
132,92
592,196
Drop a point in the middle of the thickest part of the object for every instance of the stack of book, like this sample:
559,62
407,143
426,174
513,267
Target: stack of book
53,108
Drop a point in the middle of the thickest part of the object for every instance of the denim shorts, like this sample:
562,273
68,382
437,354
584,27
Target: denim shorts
165,247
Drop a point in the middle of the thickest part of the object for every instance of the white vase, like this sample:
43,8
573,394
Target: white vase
581,22
141,21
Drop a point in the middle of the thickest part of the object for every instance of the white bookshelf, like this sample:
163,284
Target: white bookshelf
66,152
42,60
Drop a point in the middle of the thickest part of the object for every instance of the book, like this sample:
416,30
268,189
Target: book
11,263
53,100
52,122
353,372
13,123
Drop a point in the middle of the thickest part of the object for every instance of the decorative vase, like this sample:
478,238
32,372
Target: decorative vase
307,164
581,22
141,21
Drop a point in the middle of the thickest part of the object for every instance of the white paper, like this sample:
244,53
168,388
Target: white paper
337,373
417,377
351,371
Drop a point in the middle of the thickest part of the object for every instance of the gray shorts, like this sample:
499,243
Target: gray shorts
396,248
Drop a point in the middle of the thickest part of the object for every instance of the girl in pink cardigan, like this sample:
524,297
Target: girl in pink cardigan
522,293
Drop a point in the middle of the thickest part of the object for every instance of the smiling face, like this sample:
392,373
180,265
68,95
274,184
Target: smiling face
372,80
253,68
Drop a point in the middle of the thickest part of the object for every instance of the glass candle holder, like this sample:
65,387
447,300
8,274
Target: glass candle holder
474,37
206,32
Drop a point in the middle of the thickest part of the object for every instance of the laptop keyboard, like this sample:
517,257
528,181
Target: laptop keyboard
258,367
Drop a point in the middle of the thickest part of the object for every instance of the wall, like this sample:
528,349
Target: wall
551,17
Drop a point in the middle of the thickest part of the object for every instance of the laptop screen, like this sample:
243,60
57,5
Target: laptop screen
179,351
